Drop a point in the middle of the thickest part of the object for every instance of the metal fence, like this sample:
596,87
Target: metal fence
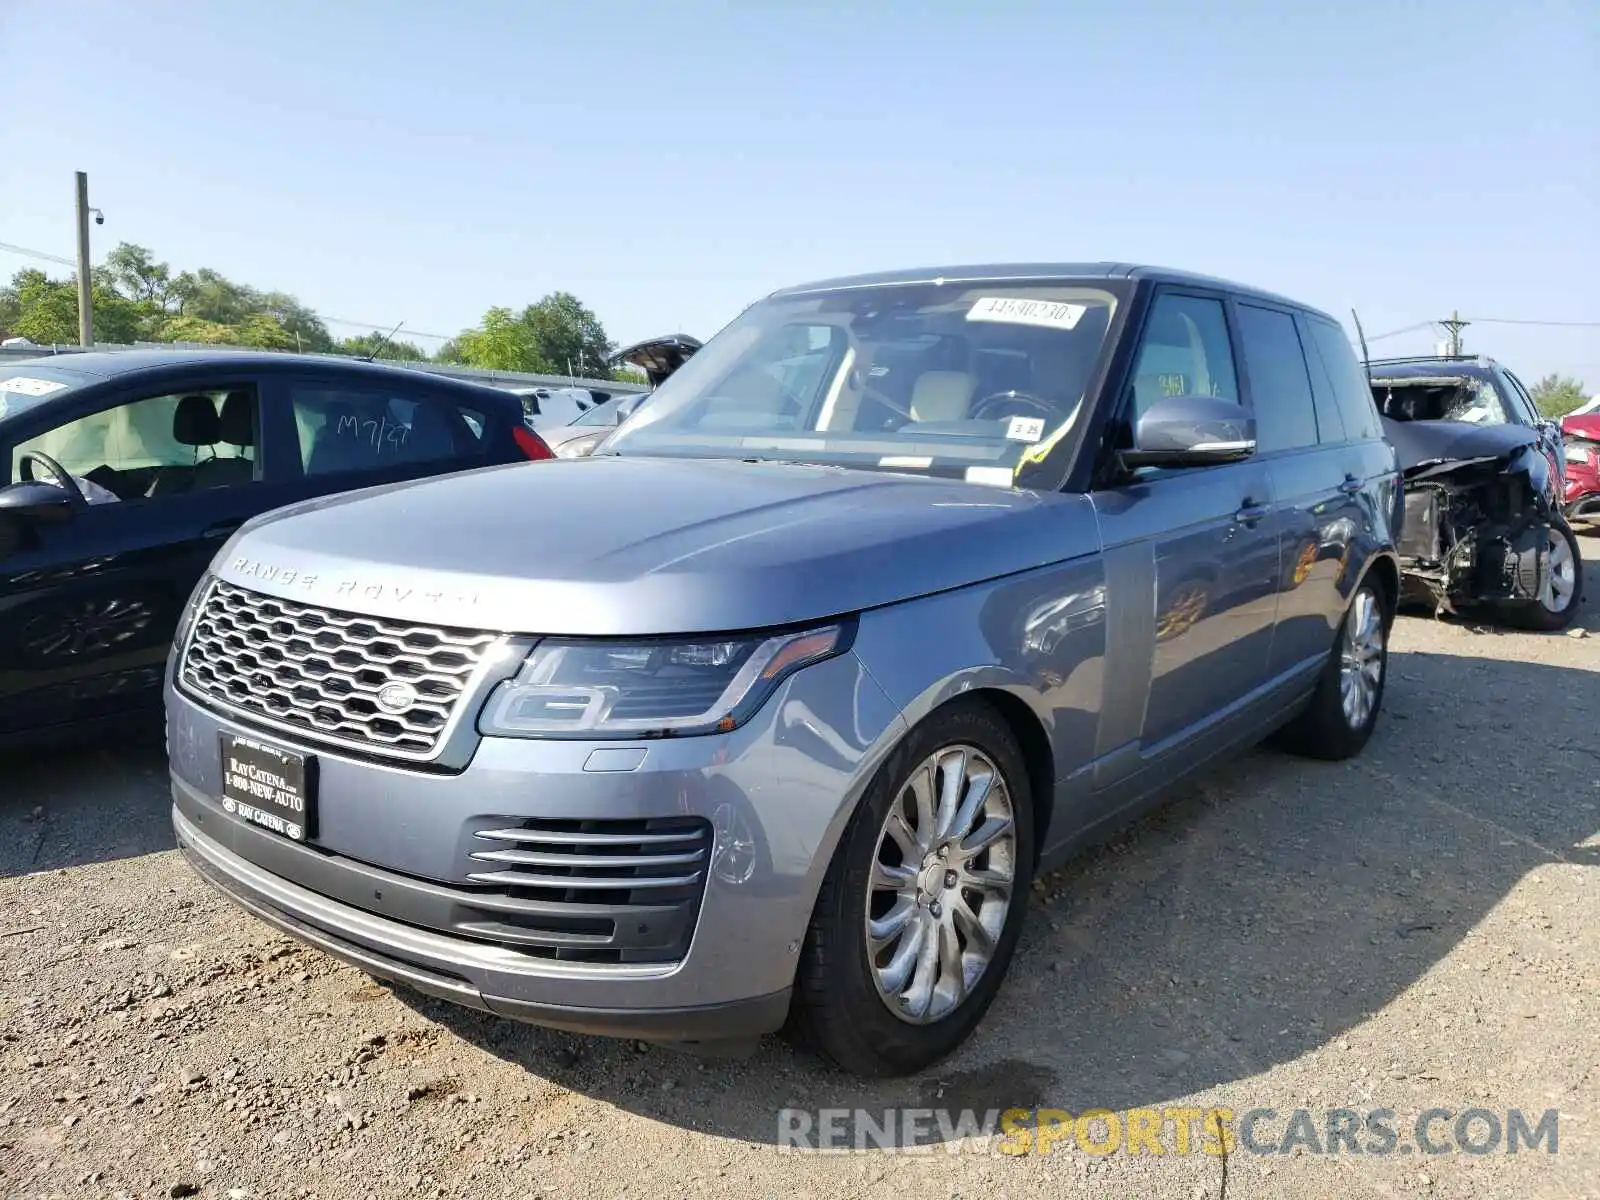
501,379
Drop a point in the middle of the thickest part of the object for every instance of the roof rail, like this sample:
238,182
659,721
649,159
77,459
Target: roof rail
1481,360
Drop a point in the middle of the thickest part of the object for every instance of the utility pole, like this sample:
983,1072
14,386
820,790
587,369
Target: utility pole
85,294
1453,327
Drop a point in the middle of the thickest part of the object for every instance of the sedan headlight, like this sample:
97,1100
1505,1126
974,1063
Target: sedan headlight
601,689
1579,453
581,447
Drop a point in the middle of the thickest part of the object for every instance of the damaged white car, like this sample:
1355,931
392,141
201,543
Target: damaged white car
1484,476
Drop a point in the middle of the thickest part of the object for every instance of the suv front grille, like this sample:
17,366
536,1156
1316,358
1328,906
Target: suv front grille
319,671
620,891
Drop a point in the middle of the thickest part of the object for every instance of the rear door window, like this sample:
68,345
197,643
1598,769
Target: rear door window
1349,380
343,429
1280,384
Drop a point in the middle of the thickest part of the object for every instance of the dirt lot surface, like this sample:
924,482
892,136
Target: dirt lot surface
1416,929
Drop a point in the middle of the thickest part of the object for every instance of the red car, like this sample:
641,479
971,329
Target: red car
1581,501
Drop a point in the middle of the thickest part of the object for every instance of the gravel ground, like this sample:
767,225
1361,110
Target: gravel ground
1412,930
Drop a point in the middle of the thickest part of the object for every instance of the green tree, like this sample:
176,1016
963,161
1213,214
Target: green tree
264,332
556,335
45,310
133,271
502,342
1557,395
373,344
306,330
567,336
185,328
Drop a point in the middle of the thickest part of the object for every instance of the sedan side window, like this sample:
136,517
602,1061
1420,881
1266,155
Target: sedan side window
158,446
344,429
1280,385
1184,351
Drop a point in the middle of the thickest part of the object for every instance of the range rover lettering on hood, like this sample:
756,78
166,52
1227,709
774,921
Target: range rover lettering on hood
347,588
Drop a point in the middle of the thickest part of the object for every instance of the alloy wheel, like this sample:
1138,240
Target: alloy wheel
942,884
1561,575
1361,662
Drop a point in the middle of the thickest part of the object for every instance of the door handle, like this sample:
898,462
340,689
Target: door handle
1351,485
1250,512
221,529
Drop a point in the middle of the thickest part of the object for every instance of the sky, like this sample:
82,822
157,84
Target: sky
419,162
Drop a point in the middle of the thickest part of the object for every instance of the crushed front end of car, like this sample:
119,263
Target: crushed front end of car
1483,524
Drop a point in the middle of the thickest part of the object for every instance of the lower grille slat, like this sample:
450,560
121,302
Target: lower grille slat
587,890
327,674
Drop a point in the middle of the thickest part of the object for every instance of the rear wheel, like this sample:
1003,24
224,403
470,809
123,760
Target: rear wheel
920,910
1344,709
1562,585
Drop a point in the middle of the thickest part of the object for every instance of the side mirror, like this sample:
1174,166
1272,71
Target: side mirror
1191,431
35,500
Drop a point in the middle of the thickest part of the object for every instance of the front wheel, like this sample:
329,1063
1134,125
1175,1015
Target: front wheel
1557,602
921,907
1344,709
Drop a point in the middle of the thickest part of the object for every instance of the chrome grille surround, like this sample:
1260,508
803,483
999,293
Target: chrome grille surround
317,672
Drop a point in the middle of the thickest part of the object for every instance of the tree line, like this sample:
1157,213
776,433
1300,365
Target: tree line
139,299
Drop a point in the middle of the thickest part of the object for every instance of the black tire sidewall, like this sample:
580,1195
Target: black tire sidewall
844,1015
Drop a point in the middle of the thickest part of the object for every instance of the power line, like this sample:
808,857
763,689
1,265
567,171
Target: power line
379,326
1554,324
39,254
1397,332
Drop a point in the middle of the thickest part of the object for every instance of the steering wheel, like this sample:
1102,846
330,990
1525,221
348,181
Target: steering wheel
63,477
1026,399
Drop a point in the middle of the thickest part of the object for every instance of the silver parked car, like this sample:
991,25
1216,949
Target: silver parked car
900,591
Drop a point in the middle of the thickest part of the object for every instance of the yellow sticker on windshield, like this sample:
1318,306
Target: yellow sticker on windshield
1048,314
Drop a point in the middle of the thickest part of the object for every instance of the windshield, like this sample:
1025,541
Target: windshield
604,413
1474,401
940,377
25,384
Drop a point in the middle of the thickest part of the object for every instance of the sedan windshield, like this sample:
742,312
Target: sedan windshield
934,376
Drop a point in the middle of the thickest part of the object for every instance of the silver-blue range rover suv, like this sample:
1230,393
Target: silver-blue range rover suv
904,588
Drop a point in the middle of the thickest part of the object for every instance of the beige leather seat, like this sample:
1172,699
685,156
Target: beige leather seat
941,396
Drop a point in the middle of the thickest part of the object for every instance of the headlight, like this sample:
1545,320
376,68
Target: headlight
579,447
600,689
1579,454
190,608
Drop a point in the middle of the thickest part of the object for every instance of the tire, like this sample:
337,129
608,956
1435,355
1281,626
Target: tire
839,1008
1327,728
1542,615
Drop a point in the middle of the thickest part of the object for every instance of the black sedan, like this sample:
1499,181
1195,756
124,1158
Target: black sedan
122,474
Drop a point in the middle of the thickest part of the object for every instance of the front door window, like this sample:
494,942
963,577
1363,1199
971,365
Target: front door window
156,446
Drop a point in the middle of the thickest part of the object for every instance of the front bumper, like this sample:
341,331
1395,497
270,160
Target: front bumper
381,885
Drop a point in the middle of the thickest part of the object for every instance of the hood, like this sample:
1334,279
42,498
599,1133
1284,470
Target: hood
630,546
1423,446
659,357
1586,426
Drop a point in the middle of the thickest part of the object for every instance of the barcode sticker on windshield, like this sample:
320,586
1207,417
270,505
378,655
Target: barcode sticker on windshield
1050,314
24,385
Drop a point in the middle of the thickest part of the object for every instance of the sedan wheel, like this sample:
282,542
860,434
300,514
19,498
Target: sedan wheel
1561,579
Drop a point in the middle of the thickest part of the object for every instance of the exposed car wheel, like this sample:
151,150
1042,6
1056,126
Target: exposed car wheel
1344,709
921,907
1563,584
